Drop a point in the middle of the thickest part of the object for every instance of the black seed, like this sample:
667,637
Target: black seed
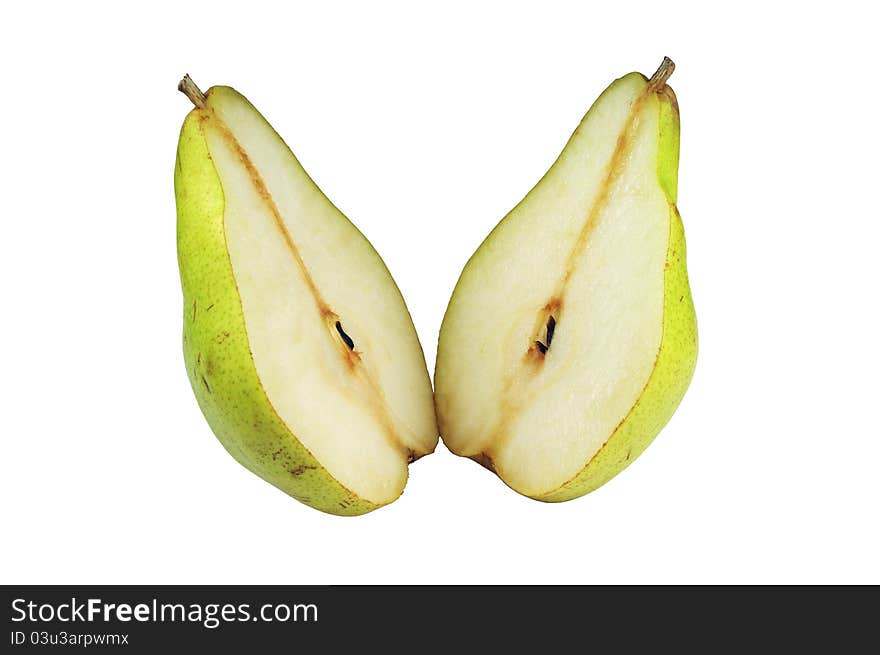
345,337
541,347
551,328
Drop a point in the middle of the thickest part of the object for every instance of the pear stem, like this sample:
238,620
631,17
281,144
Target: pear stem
658,79
193,92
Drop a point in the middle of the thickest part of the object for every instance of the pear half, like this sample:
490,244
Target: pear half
571,337
298,344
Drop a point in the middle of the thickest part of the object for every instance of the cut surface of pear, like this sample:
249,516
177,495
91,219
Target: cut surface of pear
298,344
570,337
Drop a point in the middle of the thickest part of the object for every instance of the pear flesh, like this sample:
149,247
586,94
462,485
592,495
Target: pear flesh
571,336
299,346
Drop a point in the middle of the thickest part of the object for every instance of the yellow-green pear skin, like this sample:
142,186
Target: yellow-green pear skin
297,342
571,336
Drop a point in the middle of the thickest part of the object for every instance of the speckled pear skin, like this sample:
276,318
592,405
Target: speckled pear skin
215,343
677,356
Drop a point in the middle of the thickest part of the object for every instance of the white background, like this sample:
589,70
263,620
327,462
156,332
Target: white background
425,126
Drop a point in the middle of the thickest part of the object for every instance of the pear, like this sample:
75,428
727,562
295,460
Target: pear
571,337
298,345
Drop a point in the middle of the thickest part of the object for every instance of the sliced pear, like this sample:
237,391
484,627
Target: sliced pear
571,336
299,347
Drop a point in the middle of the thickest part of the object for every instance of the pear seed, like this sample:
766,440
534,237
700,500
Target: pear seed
551,328
345,337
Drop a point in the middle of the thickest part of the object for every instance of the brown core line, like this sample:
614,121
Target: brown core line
352,357
263,192
549,317
537,349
